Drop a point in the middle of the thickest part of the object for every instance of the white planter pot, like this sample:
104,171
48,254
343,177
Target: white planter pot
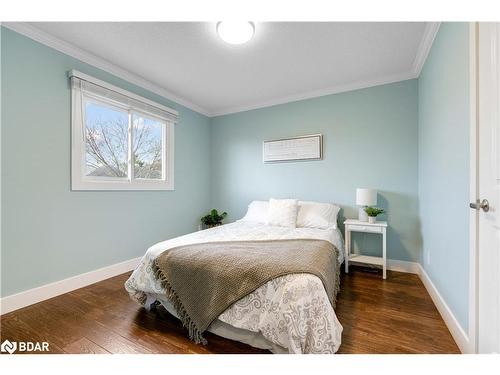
372,219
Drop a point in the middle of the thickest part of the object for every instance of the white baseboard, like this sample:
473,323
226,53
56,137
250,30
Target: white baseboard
32,296
44,292
402,266
456,330
35,295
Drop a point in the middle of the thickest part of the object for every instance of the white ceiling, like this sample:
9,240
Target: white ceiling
283,62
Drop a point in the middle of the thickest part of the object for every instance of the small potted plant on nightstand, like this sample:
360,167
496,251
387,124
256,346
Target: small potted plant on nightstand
372,213
213,219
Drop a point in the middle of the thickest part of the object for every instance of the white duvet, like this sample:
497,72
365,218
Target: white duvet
291,311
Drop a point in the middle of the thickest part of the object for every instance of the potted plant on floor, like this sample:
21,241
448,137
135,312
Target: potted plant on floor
213,219
372,213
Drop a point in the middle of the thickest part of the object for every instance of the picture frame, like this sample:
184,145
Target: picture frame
300,148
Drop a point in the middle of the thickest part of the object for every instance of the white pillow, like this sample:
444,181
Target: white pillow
283,212
317,215
257,212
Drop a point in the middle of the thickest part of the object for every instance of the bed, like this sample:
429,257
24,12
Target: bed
289,314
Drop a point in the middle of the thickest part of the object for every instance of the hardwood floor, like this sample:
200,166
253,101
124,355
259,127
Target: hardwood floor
379,316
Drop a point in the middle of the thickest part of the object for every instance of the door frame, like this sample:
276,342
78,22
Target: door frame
475,103
473,186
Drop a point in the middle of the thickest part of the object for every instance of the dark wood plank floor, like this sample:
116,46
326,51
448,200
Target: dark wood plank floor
379,316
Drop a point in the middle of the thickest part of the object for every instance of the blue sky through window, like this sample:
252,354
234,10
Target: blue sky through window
107,143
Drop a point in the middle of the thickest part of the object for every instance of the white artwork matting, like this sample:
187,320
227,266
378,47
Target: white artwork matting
308,147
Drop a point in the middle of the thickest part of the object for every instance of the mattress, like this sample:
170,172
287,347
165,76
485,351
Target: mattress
291,313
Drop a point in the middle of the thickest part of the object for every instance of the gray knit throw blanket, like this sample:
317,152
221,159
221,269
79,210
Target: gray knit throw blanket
203,280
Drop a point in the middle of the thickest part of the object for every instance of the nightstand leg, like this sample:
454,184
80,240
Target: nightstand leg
384,254
347,249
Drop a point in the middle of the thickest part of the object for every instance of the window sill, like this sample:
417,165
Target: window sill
121,186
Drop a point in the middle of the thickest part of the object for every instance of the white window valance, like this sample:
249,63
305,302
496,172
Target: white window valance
91,86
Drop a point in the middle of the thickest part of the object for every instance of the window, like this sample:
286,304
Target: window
120,141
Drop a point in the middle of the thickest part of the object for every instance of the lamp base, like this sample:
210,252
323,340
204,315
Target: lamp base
362,215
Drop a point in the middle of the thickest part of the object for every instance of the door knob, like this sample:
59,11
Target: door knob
484,205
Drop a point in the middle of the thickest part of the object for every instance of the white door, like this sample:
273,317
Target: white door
488,250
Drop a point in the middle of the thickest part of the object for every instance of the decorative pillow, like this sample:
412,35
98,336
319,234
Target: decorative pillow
317,215
257,212
283,212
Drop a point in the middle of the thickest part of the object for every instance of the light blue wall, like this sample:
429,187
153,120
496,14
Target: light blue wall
50,233
370,140
394,138
444,165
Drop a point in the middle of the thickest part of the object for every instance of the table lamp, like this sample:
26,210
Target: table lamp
364,198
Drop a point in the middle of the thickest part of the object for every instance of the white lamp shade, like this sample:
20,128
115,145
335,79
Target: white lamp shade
366,197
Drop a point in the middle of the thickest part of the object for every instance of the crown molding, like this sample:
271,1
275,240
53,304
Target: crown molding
424,48
430,32
40,36
51,41
318,93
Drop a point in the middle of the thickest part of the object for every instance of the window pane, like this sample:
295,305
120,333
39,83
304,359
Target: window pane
147,147
106,131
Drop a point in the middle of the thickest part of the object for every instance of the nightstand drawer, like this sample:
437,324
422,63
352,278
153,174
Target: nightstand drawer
364,228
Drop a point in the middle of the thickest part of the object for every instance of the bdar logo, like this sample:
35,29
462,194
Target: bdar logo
24,346
8,346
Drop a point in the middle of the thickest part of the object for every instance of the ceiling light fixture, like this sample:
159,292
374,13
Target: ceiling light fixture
235,32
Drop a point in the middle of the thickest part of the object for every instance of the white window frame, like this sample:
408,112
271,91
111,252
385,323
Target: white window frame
79,179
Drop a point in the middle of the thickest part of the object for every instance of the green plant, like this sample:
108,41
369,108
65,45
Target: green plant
213,218
374,211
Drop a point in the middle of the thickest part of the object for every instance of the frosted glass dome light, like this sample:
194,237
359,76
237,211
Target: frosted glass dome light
235,32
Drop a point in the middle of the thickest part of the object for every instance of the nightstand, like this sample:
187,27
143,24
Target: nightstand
379,227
